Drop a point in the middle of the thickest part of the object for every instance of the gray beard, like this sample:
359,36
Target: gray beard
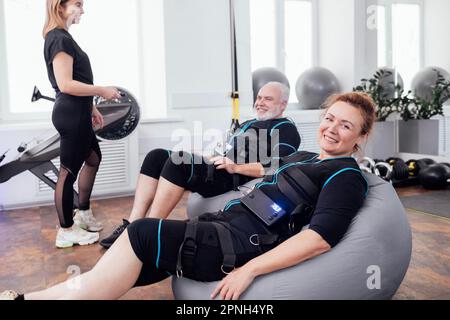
266,116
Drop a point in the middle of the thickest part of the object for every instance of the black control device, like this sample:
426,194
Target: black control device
263,207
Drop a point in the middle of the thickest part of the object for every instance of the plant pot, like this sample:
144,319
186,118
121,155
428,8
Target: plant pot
419,136
381,144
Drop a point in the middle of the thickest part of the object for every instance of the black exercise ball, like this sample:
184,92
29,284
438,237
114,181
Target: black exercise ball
262,76
435,177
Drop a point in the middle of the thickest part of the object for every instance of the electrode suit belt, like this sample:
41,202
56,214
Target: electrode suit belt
294,186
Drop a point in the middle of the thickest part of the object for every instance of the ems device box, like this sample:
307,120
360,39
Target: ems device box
263,207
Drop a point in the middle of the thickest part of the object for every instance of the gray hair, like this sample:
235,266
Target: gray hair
285,91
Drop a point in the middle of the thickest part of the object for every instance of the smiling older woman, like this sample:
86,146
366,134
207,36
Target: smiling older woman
258,234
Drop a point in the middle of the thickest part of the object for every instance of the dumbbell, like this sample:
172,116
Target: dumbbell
435,176
400,170
376,167
385,170
368,165
415,166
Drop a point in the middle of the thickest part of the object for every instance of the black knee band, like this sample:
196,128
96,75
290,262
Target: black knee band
154,163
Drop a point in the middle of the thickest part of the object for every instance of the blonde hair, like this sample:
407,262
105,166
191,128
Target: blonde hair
53,18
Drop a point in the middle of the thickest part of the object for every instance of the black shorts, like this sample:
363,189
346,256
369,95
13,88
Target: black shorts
188,171
157,242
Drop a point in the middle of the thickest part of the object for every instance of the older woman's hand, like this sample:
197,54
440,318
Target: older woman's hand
234,285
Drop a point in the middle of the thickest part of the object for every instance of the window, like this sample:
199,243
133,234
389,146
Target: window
400,36
297,39
381,27
263,33
282,36
117,38
406,51
24,55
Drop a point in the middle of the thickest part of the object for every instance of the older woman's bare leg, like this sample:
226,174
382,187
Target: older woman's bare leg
113,276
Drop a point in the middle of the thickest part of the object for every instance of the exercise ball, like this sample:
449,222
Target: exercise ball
314,86
424,81
379,236
435,177
262,76
387,82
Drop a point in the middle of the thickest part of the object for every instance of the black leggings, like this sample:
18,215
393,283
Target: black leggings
72,118
188,171
157,242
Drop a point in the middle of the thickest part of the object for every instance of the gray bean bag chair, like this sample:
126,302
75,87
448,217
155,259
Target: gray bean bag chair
370,262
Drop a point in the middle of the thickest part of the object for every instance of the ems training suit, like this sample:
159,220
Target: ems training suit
72,117
342,192
190,171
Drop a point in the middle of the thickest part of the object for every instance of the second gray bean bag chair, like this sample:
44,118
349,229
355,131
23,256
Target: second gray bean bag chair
370,262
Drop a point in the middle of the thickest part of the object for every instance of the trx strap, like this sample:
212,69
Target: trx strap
234,94
188,248
235,83
234,71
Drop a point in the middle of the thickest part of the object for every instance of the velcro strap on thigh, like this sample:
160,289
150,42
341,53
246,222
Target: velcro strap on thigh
226,244
187,250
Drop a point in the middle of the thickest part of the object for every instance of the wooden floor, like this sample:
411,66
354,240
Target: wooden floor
29,260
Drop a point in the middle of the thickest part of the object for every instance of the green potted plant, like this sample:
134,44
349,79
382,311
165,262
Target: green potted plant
388,96
384,91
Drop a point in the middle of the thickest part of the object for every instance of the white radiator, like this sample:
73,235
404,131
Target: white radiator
308,134
117,173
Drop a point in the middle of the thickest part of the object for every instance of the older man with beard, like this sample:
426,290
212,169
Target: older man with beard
250,153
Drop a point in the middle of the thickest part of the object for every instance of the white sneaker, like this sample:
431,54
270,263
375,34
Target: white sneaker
9,295
67,238
86,220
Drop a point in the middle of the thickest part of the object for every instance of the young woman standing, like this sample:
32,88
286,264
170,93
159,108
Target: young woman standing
70,74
